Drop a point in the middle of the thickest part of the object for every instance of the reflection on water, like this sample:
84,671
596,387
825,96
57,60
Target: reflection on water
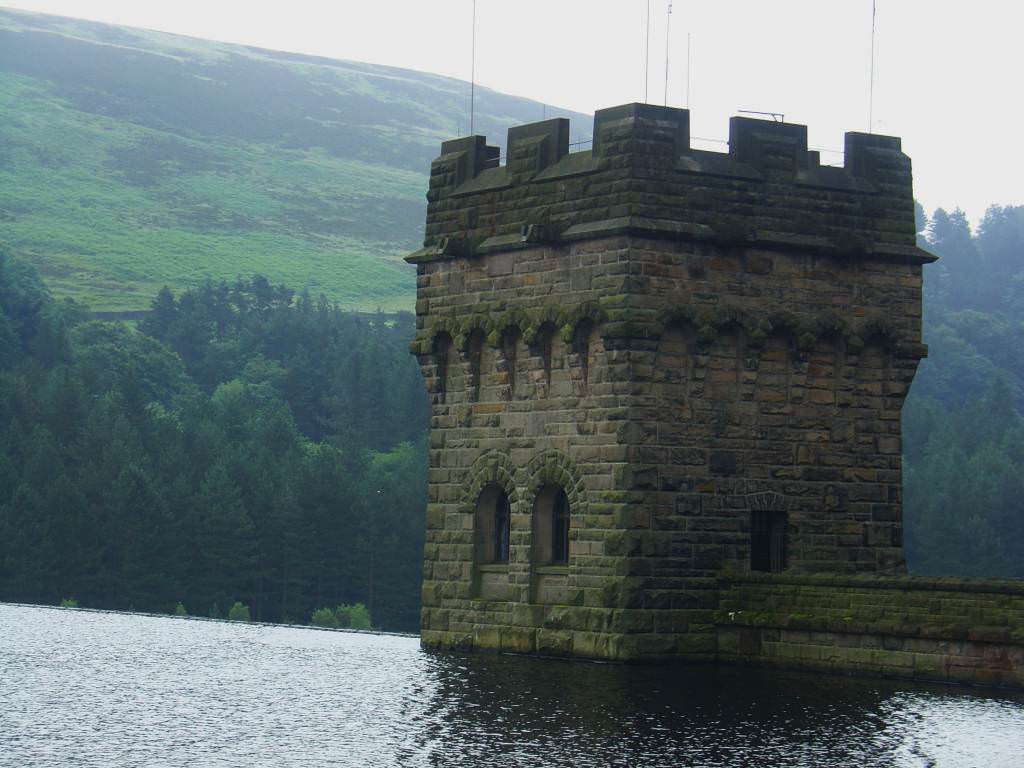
93,689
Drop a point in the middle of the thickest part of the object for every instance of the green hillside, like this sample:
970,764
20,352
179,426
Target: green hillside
130,160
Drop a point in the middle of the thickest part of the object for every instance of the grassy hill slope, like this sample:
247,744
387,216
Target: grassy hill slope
133,159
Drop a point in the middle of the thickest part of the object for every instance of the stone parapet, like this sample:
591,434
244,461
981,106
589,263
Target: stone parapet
643,178
945,630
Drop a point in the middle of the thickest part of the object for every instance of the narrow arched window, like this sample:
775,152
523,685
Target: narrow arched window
581,346
474,355
546,347
560,529
502,524
493,523
509,348
442,354
551,526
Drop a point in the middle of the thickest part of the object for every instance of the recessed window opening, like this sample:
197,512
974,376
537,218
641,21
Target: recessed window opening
551,526
509,347
493,524
726,365
442,355
581,344
741,356
546,343
474,355
673,367
560,529
768,541
502,524
839,364
779,356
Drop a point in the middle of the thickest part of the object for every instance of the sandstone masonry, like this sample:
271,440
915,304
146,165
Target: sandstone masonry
653,368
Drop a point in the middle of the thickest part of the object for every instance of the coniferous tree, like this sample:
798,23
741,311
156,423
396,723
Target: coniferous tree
203,461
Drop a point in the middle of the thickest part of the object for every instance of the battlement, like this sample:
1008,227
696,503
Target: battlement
642,177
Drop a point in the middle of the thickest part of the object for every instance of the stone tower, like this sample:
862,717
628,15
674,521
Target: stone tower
652,366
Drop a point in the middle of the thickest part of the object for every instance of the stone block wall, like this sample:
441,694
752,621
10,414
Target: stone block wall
522,403
677,339
770,381
946,630
702,402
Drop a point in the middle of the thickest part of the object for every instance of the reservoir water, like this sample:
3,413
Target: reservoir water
81,688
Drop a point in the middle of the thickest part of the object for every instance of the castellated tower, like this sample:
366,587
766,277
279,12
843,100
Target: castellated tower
653,366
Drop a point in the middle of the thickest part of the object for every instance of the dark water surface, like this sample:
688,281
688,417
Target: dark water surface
97,689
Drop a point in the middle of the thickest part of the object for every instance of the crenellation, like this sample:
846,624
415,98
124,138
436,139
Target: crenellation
768,187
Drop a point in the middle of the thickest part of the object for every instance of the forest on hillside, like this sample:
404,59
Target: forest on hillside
243,444
248,444
963,434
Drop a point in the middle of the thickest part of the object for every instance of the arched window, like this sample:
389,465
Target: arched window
546,348
474,355
493,522
551,526
560,529
502,524
585,343
726,365
673,373
442,354
509,349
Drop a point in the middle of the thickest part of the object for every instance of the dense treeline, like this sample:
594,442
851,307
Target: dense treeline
243,445
964,436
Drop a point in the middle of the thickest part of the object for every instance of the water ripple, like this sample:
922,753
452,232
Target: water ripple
95,689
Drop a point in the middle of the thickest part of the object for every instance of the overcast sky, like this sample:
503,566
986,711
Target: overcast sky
947,74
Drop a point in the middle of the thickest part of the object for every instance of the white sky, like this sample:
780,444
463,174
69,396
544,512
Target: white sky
947,74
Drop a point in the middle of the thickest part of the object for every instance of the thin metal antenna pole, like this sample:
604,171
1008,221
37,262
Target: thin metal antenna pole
668,26
472,75
871,86
687,70
647,50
